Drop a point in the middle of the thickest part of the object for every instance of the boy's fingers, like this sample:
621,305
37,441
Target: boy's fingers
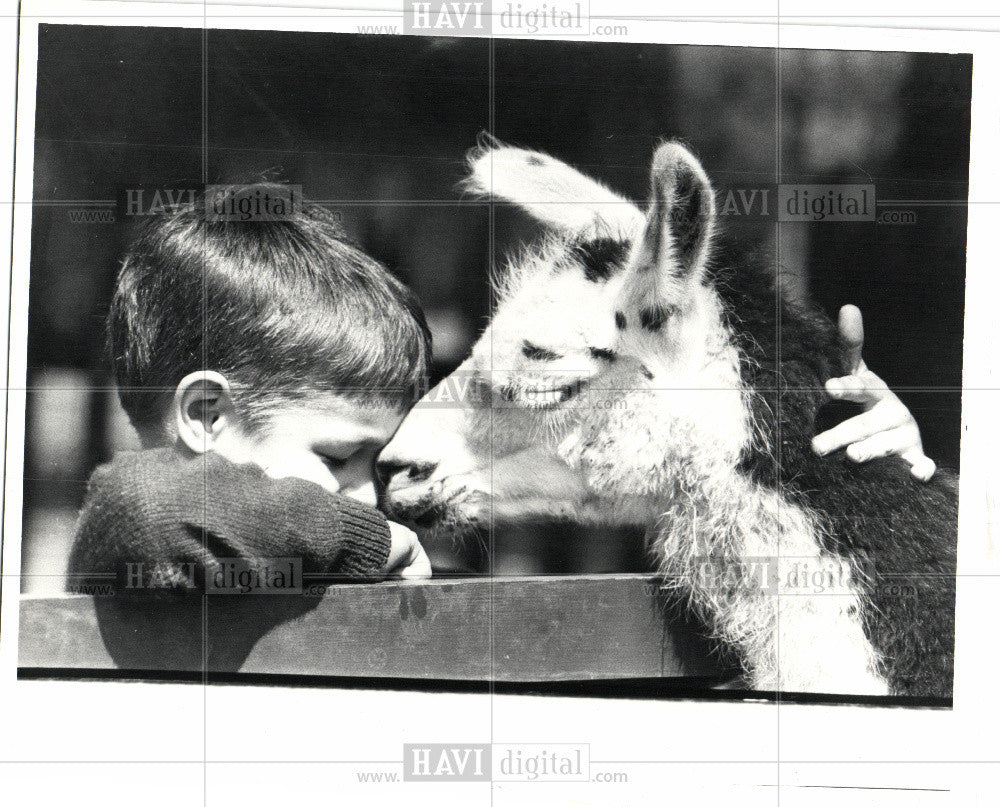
852,333
887,427
402,542
921,466
863,387
853,430
419,565
407,557
893,441
848,388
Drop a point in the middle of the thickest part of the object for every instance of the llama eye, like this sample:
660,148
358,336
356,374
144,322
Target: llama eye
603,353
537,353
652,318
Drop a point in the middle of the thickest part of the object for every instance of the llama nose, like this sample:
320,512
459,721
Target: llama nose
400,474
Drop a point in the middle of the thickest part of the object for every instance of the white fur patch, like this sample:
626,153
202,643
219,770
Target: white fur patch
751,564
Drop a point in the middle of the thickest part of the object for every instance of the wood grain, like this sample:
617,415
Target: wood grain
592,627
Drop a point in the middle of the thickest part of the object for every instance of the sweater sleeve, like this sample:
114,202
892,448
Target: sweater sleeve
182,517
239,509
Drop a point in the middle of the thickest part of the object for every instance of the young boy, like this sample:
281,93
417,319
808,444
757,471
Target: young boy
264,364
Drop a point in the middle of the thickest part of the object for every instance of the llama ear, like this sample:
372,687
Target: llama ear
550,191
679,224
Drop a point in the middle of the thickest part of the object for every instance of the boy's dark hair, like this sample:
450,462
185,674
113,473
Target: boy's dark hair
281,308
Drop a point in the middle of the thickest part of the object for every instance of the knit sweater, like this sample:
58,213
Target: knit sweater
158,519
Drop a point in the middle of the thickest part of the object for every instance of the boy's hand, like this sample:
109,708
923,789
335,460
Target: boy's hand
407,557
886,426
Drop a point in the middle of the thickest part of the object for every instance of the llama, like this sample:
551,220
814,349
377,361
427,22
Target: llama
633,374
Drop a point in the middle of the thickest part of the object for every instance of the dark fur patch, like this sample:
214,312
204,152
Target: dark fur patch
687,220
620,322
603,353
537,353
652,318
600,258
534,160
901,533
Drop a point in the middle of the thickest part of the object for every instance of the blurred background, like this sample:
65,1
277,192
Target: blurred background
376,128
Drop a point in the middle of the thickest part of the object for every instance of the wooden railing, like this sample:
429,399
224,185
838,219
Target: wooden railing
527,629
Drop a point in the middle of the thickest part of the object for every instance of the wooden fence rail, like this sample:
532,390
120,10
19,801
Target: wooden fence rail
527,629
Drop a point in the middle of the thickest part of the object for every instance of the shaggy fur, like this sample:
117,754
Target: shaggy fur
899,534
631,377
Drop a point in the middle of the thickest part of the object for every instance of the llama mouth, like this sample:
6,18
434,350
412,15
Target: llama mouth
430,517
432,509
546,397
451,517
423,514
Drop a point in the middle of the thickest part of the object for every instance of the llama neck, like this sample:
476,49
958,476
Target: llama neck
749,562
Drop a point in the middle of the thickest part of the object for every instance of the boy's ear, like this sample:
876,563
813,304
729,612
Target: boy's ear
203,409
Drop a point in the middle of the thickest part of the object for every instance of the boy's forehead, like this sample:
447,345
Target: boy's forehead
369,418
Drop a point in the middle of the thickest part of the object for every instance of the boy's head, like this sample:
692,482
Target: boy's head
224,334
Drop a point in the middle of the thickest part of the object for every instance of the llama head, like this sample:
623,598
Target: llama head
590,381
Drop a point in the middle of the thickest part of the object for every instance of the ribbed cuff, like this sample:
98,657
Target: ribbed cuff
366,539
